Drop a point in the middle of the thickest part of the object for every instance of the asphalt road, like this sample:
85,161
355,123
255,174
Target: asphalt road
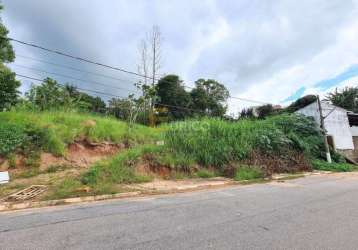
316,212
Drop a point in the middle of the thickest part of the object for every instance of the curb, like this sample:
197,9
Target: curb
10,206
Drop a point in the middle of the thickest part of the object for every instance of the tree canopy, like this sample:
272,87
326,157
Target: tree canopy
8,83
210,96
173,97
301,102
52,95
347,98
7,53
8,88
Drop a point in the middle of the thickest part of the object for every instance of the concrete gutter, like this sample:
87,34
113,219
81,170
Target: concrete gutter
8,206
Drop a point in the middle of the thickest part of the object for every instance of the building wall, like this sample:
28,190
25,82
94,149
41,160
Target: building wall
337,124
354,131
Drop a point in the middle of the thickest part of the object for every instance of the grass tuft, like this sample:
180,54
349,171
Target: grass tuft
205,173
245,172
334,167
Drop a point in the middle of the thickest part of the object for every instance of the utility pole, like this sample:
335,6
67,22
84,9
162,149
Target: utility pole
328,154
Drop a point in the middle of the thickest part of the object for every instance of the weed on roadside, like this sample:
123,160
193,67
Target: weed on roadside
28,173
334,167
245,172
67,188
205,173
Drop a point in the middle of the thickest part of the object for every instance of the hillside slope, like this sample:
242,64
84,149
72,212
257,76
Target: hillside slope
79,154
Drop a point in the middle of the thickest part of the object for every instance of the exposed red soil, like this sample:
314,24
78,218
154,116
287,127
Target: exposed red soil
148,169
79,154
83,154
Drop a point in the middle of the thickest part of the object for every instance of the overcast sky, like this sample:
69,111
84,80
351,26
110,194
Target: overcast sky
271,51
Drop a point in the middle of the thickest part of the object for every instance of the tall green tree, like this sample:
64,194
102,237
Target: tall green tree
48,95
52,95
210,97
7,53
8,88
173,97
8,83
347,98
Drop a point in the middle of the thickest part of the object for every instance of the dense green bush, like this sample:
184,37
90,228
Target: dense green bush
302,131
214,142
12,136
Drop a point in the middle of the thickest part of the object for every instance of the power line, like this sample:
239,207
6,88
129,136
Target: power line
73,78
75,69
89,90
108,66
111,95
74,57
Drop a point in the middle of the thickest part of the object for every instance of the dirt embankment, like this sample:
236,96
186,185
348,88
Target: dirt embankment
80,154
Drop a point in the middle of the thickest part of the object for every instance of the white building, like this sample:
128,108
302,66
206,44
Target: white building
339,132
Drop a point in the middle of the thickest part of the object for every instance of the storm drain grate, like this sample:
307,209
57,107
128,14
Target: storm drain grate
26,193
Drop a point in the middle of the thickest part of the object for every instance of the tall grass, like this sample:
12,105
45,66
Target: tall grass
215,142
58,128
118,169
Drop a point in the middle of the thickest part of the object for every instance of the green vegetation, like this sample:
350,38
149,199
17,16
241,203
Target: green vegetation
68,188
205,173
11,137
301,102
8,83
245,172
345,98
53,131
28,173
334,167
214,142
122,167
55,168
119,169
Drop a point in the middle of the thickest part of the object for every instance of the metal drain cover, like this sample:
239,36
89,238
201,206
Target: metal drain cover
26,193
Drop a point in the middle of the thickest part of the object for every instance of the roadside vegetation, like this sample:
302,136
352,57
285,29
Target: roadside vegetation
250,149
78,144
334,166
52,131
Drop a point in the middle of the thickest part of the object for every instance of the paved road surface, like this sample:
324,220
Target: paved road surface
316,212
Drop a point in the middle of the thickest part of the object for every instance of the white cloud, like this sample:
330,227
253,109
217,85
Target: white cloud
263,50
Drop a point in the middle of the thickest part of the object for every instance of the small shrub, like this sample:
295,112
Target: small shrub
334,167
118,169
12,160
245,172
177,175
12,136
204,173
67,188
28,173
55,168
33,159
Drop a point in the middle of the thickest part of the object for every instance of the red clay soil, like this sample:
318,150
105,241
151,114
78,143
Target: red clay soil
148,169
79,154
83,154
